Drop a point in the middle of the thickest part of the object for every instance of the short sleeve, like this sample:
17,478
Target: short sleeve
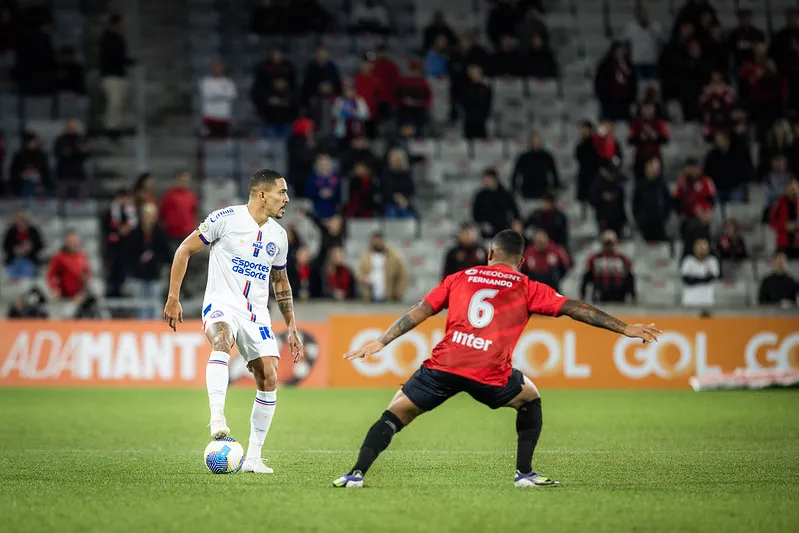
214,226
543,299
438,298
279,263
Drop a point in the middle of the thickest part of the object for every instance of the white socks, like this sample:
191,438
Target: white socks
216,380
263,410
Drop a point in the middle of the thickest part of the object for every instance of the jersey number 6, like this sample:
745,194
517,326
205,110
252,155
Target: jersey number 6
480,311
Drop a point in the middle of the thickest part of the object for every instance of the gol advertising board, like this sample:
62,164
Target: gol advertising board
562,353
136,353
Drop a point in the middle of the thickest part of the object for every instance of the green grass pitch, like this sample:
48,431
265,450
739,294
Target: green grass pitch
131,460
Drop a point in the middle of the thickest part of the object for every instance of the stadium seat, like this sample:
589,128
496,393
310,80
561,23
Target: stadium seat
657,293
362,229
732,293
81,208
455,150
396,230
490,150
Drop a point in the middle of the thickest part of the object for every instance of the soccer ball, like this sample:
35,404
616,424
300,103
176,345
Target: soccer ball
224,456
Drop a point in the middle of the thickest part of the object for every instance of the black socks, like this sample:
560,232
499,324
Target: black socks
528,427
379,437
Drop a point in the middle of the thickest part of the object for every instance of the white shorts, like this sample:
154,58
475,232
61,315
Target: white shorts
254,339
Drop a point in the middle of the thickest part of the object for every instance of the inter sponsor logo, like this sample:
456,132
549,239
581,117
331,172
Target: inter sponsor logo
470,340
250,269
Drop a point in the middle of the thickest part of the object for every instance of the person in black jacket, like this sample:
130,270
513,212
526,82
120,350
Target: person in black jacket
321,79
267,18
508,61
22,241
397,186
607,197
149,248
466,53
35,65
70,155
494,208
550,219
301,149
438,26
466,253
729,167
535,172
70,75
587,163
30,169
779,287
616,85
276,106
114,63
540,62
652,203
476,99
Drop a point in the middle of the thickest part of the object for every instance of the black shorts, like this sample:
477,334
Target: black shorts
430,388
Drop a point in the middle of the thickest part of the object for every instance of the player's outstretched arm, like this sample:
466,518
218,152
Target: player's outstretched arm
592,316
173,312
412,318
285,302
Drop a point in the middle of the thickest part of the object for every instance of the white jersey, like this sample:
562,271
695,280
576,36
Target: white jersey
242,256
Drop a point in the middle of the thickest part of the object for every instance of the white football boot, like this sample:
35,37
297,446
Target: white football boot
256,466
219,428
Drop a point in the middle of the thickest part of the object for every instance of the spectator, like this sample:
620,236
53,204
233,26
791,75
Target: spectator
784,219
508,61
267,18
715,104
699,271
321,79
437,58
333,233
532,27
274,66
652,97
371,89
35,61
388,72
775,181
466,53
144,190
540,62
550,219
729,170
361,201
476,102
466,253
149,251
670,60
350,113
368,16
398,186
652,203
414,98
30,169
493,208
276,106
607,198
502,20
616,85
114,63
340,281
645,39
178,210
769,99
715,51
693,75
301,148
784,51
22,245
324,188
751,71
779,287
743,38
696,228
30,305
610,274
70,154
382,273
357,152
778,141
535,173
695,12
647,134
303,277
730,245
694,190
120,220
306,16
217,94
70,75
68,273
544,261
607,145
587,162
438,26
402,140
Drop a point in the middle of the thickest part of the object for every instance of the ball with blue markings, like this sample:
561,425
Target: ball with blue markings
224,456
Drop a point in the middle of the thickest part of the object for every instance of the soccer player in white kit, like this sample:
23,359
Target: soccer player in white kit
248,251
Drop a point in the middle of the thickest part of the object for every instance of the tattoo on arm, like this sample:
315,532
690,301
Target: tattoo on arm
283,295
589,314
415,316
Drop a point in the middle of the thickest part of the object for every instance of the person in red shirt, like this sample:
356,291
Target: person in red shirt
178,209
694,190
647,133
371,89
545,261
414,98
69,272
489,307
387,71
784,219
339,277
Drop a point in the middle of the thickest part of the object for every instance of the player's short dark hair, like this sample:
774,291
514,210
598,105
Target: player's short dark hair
508,242
264,178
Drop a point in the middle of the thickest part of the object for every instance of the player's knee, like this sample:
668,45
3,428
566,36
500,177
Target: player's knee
265,377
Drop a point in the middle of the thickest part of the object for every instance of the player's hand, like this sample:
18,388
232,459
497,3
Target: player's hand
173,313
646,332
370,348
295,345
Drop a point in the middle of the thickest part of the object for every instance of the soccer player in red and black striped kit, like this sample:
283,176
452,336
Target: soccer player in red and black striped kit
489,307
